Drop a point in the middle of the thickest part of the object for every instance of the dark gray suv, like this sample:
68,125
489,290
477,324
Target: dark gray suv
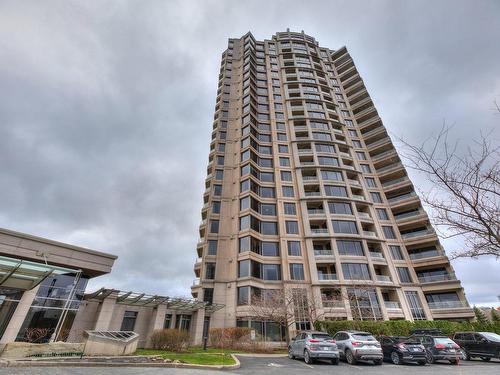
312,345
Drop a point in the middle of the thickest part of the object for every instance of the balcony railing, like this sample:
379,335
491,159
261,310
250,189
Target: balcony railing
327,276
409,214
437,278
419,233
392,305
383,278
360,197
196,282
315,211
402,197
395,181
383,154
389,167
312,193
322,253
374,254
319,230
354,182
379,142
310,178
333,304
369,233
305,150
447,305
365,215
427,254
307,163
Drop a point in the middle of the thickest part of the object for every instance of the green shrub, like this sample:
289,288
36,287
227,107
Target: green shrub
404,327
170,339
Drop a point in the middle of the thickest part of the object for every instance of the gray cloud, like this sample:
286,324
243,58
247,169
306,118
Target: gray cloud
106,109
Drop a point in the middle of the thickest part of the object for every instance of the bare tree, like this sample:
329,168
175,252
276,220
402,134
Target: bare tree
465,193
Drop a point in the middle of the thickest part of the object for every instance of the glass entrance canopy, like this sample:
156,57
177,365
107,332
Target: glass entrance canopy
25,275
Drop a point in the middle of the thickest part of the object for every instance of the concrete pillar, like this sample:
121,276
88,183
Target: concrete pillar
17,319
105,314
404,304
383,309
197,321
157,321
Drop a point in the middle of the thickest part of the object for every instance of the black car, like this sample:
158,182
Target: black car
438,347
485,345
402,350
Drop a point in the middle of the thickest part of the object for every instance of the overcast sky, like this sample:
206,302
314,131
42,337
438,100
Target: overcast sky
106,111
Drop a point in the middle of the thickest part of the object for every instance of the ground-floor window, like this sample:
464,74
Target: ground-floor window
265,331
128,322
183,322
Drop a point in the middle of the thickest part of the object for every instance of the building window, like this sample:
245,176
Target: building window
344,226
355,271
389,232
327,160
167,321
284,162
281,136
404,274
212,247
416,309
183,322
340,208
243,295
289,208
352,248
331,175
370,182
382,214
208,295
287,191
209,271
356,143
217,190
220,160
396,252
214,226
294,248
128,322
296,271
283,149
267,209
216,207
286,176
376,197
365,168
219,174
335,191
292,227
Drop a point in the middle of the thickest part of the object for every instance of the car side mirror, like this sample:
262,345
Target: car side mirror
293,338
484,340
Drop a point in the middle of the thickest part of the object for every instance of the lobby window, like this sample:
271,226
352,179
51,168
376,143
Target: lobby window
404,274
292,227
340,208
376,197
335,191
209,271
183,322
344,226
352,248
216,207
284,162
389,232
396,252
167,321
287,191
214,226
289,208
128,322
286,176
382,214
296,271
212,247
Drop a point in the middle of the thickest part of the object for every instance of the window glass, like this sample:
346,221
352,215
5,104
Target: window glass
382,214
344,226
292,227
286,176
355,271
296,271
353,248
287,191
289,208
293,248
340,208
212,247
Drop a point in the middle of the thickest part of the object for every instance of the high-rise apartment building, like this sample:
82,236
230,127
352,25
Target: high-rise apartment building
305,192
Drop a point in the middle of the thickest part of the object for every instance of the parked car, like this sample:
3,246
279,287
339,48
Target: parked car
402,350
485,345
438,347
358,346
312,345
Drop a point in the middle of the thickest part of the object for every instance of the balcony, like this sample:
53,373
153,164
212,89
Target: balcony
305,150
354,182
307,163
310,178
323,253
319,230
383,278
333,304
327,276
395,181
391,305
389,168
405,215
369,233
196,282
437,278
384,154
402,197
315,211
364,215
447,305
419,233
359,197
427,254
377,143
375,254
312,193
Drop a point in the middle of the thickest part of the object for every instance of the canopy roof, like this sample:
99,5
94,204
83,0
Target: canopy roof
143,299
25,275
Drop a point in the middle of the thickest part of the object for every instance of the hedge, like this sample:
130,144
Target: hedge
403,327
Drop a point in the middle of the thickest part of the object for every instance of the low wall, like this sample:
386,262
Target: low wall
24,349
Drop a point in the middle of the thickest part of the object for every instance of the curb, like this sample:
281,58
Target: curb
41,363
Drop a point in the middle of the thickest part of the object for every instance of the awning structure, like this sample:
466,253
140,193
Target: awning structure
25,275
142,299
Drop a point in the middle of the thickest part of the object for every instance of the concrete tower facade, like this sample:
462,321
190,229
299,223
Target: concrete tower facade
306,192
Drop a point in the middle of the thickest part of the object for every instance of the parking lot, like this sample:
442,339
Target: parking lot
277,366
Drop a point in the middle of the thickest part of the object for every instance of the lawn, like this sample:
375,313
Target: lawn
194,355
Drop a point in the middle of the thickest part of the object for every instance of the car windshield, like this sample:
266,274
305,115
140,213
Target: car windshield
443,340
491,336
363,336
321,336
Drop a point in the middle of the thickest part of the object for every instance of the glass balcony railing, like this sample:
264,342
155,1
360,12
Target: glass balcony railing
409,214
437,278
322,253
383,278
315,211
310,178
319,230
374,254
402,197
427,254
312,193
369,233
333,304
419,233
327,276
392,305
395,181
447,305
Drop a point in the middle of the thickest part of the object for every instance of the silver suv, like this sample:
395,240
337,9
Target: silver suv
358,346
312,345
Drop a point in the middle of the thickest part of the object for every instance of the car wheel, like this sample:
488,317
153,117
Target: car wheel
454,361
307,357
290,353
429,357
395,358
377,362
335,361
350,357
486,359
422,363
465,355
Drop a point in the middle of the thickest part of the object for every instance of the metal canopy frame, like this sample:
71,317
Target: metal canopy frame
142,299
